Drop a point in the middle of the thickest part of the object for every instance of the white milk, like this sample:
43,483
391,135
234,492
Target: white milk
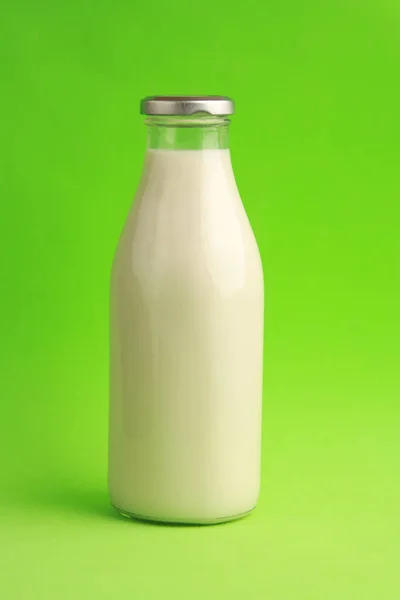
186,345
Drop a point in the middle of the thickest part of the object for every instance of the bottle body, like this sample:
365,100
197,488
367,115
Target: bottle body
186,345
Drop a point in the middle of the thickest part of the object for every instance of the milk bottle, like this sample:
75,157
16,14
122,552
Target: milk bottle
186,328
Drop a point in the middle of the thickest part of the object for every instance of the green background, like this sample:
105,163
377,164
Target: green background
315,147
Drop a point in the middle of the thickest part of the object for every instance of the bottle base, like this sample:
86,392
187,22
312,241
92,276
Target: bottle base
184,521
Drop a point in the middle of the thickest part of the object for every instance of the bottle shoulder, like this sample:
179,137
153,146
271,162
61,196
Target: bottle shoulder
190,222
210,253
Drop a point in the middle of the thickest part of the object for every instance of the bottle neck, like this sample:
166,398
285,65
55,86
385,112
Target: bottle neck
187,133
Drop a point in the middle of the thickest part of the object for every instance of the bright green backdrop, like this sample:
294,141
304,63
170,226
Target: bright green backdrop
315,146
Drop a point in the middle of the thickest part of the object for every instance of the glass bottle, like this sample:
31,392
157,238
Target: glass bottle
187,306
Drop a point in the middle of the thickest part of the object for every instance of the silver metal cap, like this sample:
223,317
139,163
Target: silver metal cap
187,105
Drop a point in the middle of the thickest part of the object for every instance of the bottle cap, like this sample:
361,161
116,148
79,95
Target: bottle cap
187,105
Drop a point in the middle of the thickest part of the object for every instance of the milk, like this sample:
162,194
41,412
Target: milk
186,346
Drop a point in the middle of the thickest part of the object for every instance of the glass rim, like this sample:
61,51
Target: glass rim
196,120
